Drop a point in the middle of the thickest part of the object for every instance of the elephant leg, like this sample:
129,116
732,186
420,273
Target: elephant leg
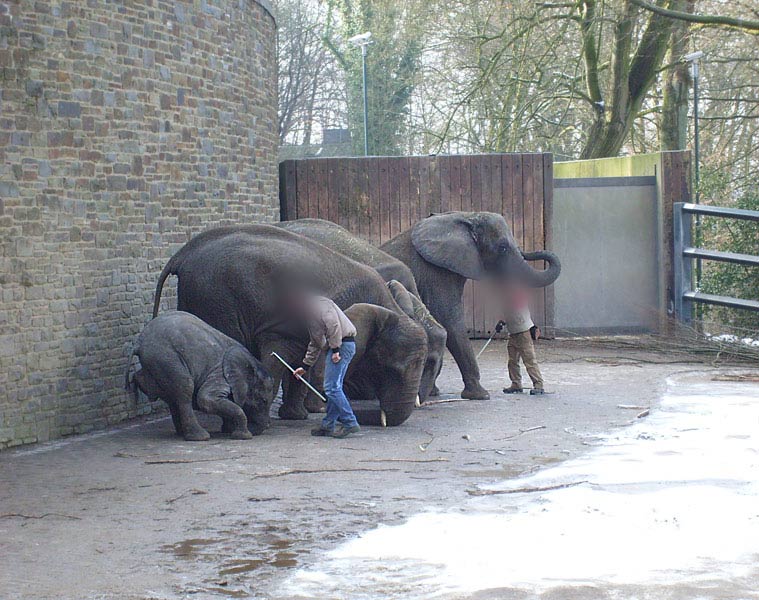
175,419
292,408
313,403
153,392
461,348
214,400
181,398
435,391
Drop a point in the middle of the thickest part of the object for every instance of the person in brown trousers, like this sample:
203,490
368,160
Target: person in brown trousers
522,331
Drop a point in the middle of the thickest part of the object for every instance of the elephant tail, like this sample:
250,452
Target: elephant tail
169,269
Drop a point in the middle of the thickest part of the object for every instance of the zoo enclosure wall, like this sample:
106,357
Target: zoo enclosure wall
610,221
126,127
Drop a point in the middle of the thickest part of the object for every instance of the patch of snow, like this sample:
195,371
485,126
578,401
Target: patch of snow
670,500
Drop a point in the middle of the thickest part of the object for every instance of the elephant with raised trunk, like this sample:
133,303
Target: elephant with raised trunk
445,250
394,272
189,365
236,279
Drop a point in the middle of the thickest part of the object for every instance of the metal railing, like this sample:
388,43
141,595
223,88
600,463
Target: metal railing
685,253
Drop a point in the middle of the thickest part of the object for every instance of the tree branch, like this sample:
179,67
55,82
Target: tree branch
748,25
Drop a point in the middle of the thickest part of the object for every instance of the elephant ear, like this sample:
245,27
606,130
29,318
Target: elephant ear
241,373
402,296
448,241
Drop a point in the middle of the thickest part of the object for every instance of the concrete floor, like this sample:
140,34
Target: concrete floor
136,513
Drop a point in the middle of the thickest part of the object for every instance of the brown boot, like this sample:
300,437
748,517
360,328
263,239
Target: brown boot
513,389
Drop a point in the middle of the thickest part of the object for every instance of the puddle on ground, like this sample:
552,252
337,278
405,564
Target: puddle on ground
241,566
228,592
669,504
189,548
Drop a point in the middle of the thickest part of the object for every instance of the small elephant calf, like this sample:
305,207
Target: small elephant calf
190,365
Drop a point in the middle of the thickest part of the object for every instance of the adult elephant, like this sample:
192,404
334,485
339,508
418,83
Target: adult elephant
445,250
394,272
343,241
236,279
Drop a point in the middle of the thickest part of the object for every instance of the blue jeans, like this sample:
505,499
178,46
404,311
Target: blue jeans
338,407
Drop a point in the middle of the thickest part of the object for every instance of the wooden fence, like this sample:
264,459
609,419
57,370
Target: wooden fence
379,197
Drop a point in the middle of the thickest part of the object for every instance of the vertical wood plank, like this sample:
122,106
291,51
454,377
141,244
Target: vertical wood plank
351,205
333,181
384,180
446,185
374,199
394,173
404,193
363,210
424,187
434,204
415,196
517,199
343,197
288,194
322,186
302,189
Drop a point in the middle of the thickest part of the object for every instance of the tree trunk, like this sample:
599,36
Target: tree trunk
673,128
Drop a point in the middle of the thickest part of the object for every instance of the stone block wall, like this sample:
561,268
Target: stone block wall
125,127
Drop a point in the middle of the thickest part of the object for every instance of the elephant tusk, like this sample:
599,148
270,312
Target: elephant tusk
417,402
383,418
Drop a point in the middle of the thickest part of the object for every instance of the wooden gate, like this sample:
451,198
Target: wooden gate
379,197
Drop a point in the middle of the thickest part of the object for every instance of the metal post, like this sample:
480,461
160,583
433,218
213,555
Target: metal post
682,264
366,110
697,165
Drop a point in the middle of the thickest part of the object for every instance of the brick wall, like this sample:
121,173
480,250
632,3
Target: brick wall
125,127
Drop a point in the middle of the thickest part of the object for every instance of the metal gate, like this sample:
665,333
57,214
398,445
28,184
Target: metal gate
685,253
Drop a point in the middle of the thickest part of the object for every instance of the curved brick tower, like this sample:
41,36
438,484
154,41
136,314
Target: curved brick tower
125,127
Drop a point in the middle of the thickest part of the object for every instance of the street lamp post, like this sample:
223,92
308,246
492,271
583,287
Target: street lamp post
362,41
693,59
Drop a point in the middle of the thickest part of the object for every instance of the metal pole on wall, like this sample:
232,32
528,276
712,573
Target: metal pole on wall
363,40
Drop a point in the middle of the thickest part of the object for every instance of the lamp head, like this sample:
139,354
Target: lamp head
362,39
693,56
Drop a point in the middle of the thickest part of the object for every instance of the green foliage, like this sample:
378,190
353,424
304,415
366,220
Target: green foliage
393,64
732,236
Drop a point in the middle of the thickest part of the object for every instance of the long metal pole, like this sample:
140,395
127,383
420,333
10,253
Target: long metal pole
366,110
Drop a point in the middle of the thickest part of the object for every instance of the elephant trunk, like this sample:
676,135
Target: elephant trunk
533,277
395,406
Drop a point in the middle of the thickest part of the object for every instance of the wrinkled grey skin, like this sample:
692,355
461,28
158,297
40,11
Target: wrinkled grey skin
189,365
445,250
343,241
232,278
391,270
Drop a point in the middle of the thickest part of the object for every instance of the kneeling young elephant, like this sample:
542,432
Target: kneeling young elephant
190,365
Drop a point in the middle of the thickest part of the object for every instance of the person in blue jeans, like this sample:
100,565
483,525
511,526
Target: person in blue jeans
330,329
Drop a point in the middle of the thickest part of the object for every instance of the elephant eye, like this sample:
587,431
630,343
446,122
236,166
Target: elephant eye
503,248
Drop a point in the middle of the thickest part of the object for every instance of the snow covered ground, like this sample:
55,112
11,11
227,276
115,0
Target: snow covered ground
665,508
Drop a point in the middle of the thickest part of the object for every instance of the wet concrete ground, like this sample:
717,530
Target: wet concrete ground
137,513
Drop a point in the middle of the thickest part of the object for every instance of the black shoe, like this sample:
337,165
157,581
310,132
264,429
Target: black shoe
537,392
344,432
512,390
319,432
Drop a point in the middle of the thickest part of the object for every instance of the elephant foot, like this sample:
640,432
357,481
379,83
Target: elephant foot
475,392
241,434
289,413
200,435
435,391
